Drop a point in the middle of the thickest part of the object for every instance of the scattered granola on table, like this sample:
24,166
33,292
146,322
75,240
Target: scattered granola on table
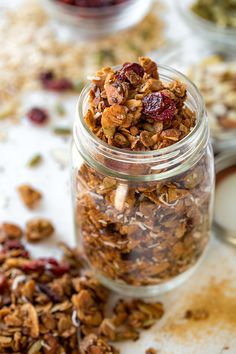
216,77
141,233
55,307
66,64
29,195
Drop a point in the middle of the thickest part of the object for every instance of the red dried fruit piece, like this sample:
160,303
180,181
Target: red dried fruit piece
3,282
12,245
124,73
37,115
67,2
159,106
49,264
62,84
91,3
50,82
57,268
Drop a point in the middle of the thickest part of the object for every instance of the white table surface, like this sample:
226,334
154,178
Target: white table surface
53,179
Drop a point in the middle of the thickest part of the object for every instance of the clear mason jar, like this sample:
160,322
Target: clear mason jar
143,219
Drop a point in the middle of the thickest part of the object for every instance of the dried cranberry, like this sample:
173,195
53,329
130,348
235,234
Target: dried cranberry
36,265
123,73
58,85
68,2
3,282
49,264
159,106
94,3
12,245
91,3
37,115
50,82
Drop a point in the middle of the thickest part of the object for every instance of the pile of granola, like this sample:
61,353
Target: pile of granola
216,77
141,233
54,307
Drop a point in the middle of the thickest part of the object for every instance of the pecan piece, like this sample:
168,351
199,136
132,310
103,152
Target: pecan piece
29,195
10,231
38,229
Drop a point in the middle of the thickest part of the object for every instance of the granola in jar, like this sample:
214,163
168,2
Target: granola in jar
143,200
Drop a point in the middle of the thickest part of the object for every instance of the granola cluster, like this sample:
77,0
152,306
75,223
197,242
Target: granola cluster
141,233
54,307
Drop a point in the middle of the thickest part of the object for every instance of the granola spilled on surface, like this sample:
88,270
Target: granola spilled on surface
216,78
141,233
55,307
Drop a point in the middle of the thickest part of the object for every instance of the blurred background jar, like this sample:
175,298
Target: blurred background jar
98,21
211,20
143,219
213,70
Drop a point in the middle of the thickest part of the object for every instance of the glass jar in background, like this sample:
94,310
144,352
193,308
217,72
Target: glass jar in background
93,23
222,37
213,70
143,219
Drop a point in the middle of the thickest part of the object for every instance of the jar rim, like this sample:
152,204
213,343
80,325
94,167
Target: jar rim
129,154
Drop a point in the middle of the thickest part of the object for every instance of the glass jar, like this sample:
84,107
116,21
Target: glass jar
187,56
98,22
223,37
143,219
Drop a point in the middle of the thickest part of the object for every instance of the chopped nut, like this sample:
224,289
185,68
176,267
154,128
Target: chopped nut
10,231
29,195
38,229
